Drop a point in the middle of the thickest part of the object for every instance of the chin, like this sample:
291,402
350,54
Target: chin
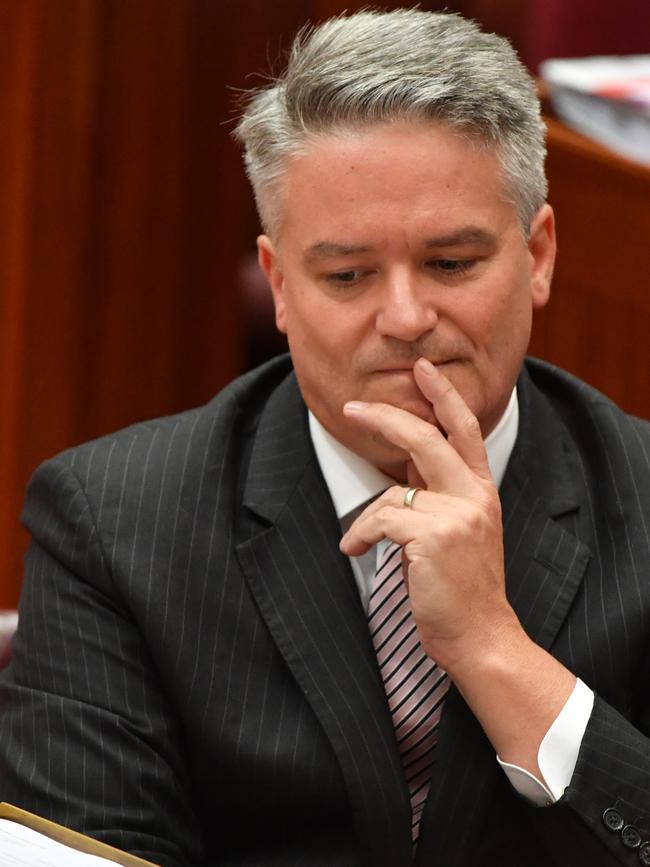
388,458
403,395
421,408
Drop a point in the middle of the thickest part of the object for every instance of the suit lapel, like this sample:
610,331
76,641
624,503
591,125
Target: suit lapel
306,594
545,564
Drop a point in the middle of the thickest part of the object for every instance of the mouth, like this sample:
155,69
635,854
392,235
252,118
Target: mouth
408,368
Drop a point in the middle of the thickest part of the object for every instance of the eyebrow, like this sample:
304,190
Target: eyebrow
330,249
469,235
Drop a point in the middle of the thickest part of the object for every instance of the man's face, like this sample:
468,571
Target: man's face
394,243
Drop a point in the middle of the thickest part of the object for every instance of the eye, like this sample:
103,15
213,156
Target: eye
451,266
345,278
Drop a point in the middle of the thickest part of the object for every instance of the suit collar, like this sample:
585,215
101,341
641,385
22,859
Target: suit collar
543,458
351,480
542,491
281,451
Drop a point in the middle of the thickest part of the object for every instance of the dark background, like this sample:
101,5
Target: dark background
127,227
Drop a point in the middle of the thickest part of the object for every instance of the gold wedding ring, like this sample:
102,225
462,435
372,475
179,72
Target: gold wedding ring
408,497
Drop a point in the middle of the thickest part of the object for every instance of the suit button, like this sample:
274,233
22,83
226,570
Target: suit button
630,837
644,854
612,819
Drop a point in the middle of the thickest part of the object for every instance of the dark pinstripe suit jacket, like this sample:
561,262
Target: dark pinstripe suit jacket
193,678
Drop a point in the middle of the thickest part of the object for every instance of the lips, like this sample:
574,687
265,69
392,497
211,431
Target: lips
408,368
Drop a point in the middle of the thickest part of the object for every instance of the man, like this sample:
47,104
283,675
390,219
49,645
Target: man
206,668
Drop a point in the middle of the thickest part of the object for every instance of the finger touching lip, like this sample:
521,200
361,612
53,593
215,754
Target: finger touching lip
408,368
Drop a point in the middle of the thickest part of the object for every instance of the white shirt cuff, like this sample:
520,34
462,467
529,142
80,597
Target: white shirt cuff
558,751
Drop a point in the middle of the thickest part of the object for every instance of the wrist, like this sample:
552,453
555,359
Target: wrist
485,649
516,690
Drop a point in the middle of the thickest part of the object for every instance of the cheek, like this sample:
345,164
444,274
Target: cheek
508,319
329,332
319,347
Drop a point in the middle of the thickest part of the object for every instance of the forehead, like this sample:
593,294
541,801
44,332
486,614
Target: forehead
391,174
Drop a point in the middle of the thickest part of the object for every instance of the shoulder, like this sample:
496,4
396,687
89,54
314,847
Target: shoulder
594,425
573,396
172,451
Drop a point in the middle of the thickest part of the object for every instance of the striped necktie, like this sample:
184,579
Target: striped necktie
415,686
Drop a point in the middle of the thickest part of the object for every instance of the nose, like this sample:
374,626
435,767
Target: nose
407,308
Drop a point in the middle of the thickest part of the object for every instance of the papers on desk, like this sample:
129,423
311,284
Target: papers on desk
606,98
22,847
27,840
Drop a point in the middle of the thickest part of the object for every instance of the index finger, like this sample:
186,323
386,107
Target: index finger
458,421
441,467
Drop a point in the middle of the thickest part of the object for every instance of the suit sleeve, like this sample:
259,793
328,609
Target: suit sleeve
87,737
604,816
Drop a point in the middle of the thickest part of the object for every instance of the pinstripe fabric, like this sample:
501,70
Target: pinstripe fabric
194,680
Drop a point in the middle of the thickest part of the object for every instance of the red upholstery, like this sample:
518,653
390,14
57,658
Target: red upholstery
8,623
558,28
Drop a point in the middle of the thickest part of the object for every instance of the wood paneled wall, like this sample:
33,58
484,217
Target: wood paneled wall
125,214
597,324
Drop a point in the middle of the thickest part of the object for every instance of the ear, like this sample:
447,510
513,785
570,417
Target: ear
269,263
542,248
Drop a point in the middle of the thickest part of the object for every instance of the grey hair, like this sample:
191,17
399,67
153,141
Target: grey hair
374,67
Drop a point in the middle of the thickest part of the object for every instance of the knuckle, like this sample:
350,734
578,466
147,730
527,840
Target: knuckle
467,522
445,528
395,495
489,501
386,515
475,517
470,426
445,386
385,497
429,438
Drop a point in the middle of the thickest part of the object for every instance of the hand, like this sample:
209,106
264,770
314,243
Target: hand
452,541
452,535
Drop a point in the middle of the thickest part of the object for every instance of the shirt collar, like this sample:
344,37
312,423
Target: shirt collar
352,480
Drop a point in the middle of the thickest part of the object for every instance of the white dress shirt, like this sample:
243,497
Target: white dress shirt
352,482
